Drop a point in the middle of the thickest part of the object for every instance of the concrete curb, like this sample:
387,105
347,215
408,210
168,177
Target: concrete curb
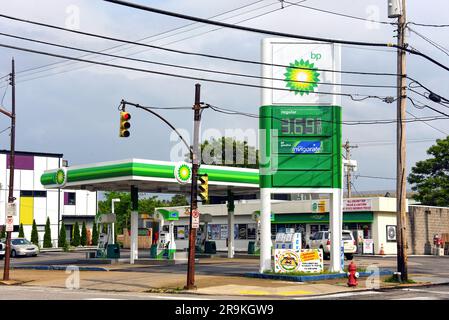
311,277
42,250
58,268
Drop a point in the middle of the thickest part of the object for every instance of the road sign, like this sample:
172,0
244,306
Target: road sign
195,219
11,209
9,224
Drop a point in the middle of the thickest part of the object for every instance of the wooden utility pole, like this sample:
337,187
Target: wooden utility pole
348,166
401,154
194,187
11,198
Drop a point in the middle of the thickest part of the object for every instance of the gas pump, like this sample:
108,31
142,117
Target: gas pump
106,247
203,243
166,246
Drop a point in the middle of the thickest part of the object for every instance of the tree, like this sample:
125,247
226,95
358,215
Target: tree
430,177
34,234
83,240
47,235
3,232
178,200
62,240
229,152
95,234
21,232
76,235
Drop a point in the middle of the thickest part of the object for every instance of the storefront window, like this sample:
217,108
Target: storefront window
252,231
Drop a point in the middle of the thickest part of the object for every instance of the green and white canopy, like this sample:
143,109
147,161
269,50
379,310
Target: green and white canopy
148,176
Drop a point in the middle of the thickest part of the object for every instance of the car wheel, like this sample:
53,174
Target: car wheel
1,257
13,253
307,247
349,256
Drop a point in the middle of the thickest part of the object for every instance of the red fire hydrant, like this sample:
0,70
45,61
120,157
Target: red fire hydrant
352,275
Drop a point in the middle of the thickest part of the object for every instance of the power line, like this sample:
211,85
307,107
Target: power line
340,14
193,53
430,41
429,125
349,95
193,68
148,37
364,122
374,177
4,94
429,25
275,33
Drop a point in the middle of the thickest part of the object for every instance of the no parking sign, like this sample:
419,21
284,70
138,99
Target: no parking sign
195,219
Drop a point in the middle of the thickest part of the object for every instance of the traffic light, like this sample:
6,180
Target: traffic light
204,187
124,124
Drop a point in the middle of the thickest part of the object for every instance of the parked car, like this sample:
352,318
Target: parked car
23,247
320,240
2,250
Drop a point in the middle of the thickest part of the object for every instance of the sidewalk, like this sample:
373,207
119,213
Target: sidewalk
120,281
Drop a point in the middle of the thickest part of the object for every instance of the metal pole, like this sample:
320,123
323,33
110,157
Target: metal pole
194,188
401,152
11,171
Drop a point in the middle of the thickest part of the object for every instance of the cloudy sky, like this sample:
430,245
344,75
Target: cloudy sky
71,107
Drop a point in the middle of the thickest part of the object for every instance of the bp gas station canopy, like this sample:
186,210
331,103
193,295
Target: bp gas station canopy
148,176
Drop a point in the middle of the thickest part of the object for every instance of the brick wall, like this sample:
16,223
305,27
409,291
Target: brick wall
423,223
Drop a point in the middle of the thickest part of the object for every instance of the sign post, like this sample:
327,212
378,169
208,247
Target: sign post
300,131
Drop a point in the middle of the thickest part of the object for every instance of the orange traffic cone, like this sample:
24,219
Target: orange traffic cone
382,252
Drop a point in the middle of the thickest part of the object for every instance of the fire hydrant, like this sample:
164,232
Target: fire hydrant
352,275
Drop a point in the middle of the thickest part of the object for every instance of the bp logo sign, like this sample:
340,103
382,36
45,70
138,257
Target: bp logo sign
302,77
307,147
61,176
183,173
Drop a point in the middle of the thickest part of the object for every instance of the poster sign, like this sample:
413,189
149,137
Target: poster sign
11,209
9,224
368,246
195,219
181,232
391,233
304,260
357,205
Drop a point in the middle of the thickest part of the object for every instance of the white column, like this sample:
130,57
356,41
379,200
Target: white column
230,234
265,230
335,217
134,234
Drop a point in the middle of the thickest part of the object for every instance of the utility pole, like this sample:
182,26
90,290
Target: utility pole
194,187
397,9
349,167
11,198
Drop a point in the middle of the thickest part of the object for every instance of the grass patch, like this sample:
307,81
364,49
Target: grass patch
394,279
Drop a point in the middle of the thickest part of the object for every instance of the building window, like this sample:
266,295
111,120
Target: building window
21,162
69,198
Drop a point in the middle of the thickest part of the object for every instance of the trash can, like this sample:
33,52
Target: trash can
113,251
153,251
210,247
251,247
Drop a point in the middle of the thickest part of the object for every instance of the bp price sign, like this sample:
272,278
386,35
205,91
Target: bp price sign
301,147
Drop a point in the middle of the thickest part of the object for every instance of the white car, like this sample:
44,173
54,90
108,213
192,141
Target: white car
2,250
23,247
320,240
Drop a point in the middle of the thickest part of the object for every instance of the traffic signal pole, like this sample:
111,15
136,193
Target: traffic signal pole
11,198
194,187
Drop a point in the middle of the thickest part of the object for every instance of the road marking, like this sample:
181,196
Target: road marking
341,295
427,291
254,292
416,298
294,293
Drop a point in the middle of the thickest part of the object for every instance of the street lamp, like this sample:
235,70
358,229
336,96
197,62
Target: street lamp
113,224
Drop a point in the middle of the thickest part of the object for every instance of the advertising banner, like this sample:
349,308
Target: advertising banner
304,260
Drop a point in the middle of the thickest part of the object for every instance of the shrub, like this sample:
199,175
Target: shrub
95,234
47,235
34,234
76,235
83,240
21,233
62,241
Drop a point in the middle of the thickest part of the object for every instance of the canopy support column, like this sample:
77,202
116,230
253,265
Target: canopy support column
231,207
134,254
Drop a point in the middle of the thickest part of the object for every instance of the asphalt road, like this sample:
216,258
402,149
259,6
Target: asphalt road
440,292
